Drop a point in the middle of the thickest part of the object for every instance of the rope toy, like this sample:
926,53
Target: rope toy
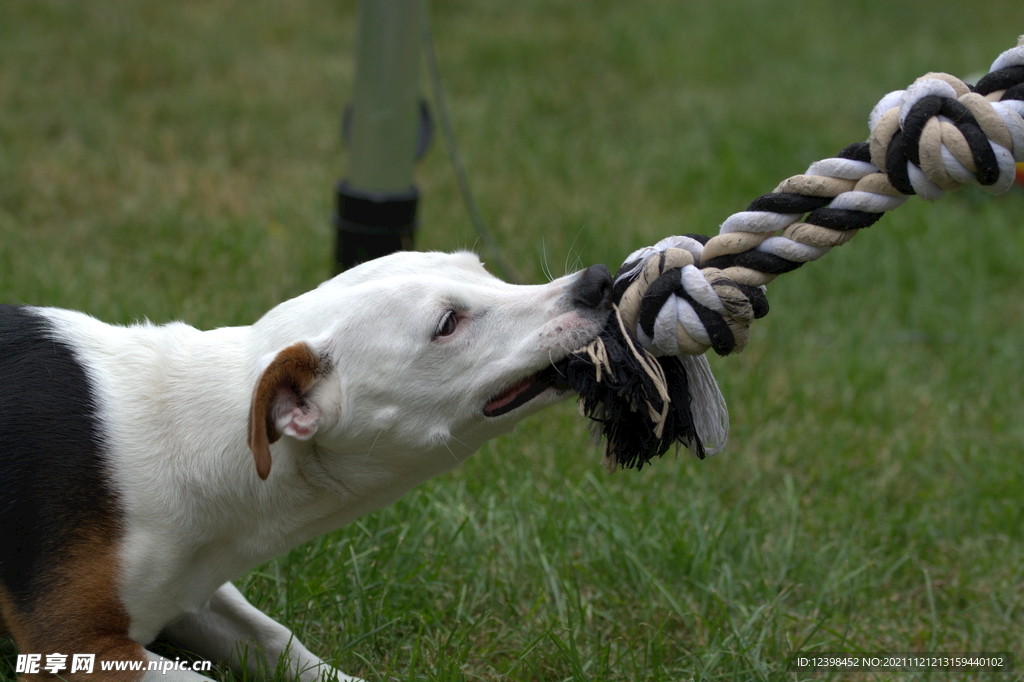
645,381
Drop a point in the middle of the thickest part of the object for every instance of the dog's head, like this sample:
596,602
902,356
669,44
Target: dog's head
414,360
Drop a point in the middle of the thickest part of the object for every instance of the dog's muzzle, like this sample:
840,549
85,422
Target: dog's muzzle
592,291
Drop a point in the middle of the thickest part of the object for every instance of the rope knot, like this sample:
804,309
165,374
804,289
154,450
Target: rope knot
646,381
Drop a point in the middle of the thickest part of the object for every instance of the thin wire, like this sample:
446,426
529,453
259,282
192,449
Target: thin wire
441,104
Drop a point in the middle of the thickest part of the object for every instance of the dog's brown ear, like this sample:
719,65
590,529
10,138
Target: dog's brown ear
279,403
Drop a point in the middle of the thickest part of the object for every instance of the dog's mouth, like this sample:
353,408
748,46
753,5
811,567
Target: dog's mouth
523,391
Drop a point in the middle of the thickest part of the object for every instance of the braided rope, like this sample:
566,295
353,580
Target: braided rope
688,294
685,295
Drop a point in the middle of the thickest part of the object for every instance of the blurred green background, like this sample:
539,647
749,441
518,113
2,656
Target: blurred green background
177,160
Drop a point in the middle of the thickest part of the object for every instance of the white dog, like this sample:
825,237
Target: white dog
144,467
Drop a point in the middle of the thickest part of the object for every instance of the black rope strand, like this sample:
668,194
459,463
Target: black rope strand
1003,79
618,403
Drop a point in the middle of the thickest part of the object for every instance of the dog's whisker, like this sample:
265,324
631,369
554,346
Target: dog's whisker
545,266
577,261
373,444
458,462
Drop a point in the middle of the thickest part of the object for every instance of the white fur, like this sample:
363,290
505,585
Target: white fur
398,407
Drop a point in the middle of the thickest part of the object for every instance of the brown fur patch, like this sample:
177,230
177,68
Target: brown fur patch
82,613
295,368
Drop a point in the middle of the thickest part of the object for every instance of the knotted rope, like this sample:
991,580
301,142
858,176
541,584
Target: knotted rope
645,380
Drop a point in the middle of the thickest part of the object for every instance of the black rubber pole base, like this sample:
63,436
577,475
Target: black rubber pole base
372,224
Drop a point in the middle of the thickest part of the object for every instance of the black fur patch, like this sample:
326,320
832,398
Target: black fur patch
53,488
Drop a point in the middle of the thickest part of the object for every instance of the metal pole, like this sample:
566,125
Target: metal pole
384,129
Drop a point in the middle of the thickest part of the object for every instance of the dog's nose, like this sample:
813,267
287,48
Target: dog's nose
593,288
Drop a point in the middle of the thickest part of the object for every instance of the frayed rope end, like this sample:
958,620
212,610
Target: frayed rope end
642,404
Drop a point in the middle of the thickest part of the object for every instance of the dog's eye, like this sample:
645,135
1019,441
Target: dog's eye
448,324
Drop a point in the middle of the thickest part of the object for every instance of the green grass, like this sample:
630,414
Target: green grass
176,160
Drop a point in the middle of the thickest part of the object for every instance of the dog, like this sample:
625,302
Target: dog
144,467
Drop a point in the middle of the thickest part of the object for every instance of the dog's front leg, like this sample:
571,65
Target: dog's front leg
231,630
